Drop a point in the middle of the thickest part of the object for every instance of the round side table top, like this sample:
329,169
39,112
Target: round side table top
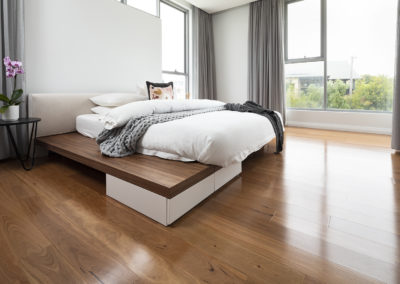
25,120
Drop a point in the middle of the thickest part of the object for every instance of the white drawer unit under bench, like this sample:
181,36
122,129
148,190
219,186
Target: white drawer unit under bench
167,210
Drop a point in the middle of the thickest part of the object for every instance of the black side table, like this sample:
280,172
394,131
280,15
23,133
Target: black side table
33,135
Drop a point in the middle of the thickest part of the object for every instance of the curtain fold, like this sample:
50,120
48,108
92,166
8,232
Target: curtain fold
396,93
266,81
12,44
204,78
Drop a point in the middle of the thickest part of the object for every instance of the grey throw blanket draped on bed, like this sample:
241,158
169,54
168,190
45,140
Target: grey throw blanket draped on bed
273,117
122,141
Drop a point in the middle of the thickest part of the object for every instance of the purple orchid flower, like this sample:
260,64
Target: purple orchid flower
19,70
10,72
16,64
12,67
7,61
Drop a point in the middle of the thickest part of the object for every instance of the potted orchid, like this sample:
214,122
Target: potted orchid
10,108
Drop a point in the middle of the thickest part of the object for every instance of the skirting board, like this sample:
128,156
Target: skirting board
341,127
164,210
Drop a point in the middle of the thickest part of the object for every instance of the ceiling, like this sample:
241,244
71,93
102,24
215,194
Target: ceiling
213,6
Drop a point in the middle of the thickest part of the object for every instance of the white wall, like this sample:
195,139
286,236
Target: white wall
89,46
231,46
231,51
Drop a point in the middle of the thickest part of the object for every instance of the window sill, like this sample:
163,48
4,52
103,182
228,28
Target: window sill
355,121
340,110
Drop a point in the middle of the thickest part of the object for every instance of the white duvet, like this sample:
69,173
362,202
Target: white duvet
218,138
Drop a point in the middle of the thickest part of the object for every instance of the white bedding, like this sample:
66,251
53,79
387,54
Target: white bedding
89,125
218,138
119,116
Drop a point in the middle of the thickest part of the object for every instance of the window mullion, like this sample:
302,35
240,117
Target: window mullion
324,50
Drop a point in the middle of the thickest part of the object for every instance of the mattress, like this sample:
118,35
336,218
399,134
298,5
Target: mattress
89,125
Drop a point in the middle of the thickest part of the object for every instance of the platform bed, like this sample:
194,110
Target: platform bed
163,190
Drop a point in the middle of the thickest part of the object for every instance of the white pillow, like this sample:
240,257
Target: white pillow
101,110
142,91
117,99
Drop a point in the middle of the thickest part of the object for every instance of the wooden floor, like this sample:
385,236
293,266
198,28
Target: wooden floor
327,210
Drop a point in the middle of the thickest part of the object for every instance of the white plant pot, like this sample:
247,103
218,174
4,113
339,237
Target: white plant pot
12,113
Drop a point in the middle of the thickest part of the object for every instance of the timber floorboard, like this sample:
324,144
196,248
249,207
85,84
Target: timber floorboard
326,210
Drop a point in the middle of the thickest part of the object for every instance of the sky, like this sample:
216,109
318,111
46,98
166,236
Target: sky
362,29
173,38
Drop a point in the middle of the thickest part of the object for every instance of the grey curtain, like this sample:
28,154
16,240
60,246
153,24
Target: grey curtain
11,44
396,93
266,81
204,78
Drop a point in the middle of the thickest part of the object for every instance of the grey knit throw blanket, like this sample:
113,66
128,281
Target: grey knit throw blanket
122,141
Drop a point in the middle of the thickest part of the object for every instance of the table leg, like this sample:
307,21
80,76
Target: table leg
21,159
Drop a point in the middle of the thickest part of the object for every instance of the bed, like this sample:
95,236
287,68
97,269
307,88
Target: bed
200,153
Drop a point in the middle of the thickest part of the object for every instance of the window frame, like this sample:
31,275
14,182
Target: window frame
323,58
323,49
125,2
186,48
322,52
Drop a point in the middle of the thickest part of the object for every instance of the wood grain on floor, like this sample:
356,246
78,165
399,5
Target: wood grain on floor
326,210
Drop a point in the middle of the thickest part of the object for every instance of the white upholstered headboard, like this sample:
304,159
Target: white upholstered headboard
58,111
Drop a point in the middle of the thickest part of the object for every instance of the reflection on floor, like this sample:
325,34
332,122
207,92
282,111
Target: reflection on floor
326,210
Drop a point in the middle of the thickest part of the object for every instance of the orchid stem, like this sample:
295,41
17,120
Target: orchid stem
15,83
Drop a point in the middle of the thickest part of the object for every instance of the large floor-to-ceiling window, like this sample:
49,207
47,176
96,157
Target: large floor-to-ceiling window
340,54
175,46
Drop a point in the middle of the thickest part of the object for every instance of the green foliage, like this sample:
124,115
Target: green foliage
374,93
312,97
13,101
4,98
337,97
3,109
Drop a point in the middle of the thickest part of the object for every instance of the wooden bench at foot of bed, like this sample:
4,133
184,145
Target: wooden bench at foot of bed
161,189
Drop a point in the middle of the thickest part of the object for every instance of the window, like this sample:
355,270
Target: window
340,54
305,85
175,47
304,33
149,6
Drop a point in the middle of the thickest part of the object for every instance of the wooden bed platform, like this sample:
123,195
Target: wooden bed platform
163,177
161,189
